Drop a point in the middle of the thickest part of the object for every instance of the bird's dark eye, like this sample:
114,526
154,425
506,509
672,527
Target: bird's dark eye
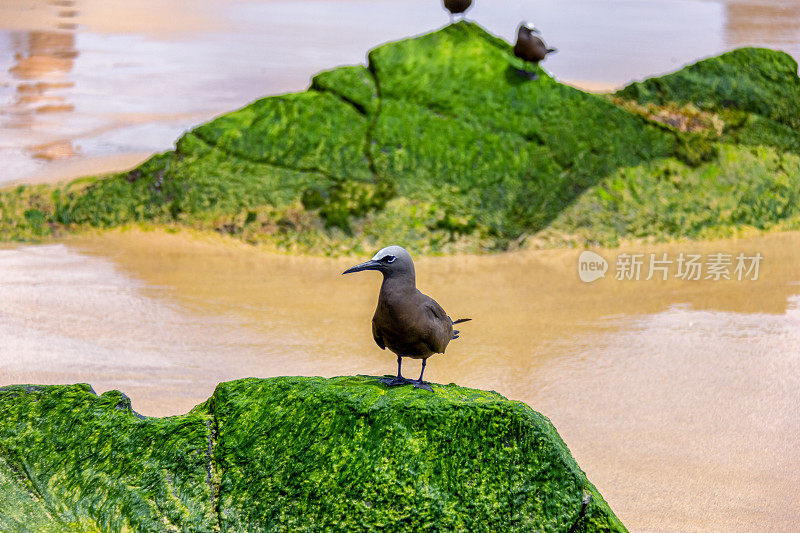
388,258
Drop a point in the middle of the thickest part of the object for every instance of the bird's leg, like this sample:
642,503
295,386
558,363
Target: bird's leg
399,380
527,74
419,384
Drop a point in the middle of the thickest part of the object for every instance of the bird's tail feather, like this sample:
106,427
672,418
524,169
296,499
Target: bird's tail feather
459,321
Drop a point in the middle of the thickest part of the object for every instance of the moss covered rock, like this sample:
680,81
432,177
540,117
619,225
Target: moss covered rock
74,461
736,166
740,188
754,80
752,93
436,143
297,454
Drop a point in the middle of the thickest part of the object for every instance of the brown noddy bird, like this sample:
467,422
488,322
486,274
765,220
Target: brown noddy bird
406,321
457,6
530,47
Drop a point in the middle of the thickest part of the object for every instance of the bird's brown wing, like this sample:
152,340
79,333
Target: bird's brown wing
434,308
376,334
442,331
539,49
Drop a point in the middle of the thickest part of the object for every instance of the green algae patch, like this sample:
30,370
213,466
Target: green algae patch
26,213
312,131
756,80
296,454
436,144
75,461
459,128
354,84
740,188
752,93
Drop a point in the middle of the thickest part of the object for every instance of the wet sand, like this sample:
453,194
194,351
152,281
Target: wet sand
90,85
679,398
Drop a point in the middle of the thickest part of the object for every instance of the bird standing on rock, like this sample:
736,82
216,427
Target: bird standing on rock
456,7
530,47
406,321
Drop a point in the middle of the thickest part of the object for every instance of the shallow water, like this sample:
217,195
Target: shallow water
91,86
679,398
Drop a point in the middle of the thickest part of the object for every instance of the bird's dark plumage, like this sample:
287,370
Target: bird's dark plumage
457,6
406,321
530,47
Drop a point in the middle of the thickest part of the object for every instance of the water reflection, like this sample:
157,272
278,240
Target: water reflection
43,62
765,23
41,79
65,15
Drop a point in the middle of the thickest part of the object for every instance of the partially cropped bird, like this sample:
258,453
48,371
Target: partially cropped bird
530,47
457,6
406,321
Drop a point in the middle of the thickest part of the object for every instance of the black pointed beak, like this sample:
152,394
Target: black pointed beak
367,265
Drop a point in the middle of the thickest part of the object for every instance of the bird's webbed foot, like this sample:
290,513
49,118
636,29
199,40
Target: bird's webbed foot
419,384
395,381
527,74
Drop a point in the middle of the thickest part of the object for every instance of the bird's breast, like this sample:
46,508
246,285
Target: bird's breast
403,329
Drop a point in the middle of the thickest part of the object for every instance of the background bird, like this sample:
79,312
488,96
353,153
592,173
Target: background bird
406,321
456,7
530,48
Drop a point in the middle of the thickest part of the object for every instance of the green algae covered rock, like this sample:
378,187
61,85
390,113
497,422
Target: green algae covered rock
736,169
740,188
74,461
754,92
755,80
436,143
290,454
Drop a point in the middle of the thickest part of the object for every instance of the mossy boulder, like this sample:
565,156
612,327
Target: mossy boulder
739,189
436,143
753,92
754,80
296,454
74,461
736,167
